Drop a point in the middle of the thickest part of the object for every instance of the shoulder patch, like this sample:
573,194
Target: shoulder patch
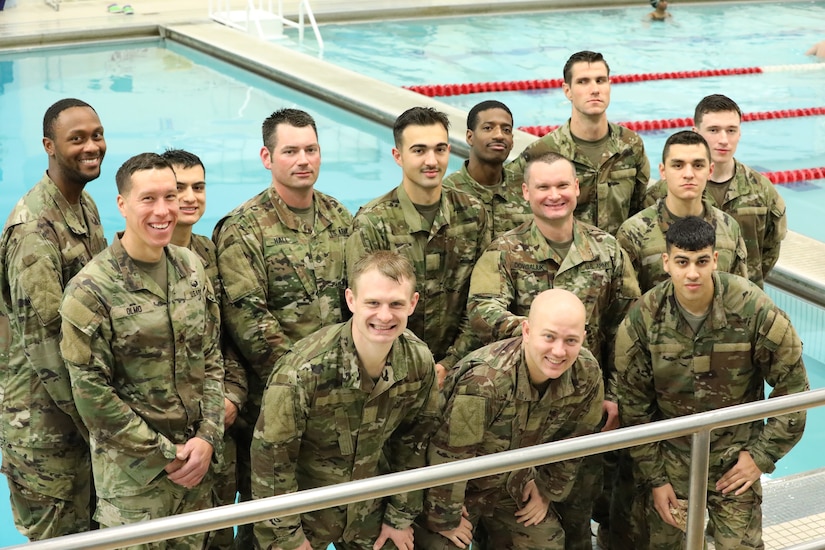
278,415
467,420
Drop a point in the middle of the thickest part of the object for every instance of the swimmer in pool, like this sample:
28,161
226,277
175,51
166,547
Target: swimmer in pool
817,50
659,12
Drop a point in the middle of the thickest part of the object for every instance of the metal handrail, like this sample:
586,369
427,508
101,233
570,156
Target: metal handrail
431,476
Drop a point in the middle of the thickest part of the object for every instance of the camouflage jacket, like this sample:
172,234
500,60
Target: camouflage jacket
324,422
493,407
505,205
146,371
666,371
755,204
609,193
443,257
44,244
643,238
234,378
282,280
520,264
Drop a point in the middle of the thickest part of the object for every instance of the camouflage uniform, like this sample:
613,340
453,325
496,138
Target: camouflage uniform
754,203
493,407
324,421
282,281
147,374
45,243
505,205
666,371
443,256
643,238
517,267
225,487
610,192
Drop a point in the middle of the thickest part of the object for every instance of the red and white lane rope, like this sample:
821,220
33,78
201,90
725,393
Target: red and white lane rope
792,176
443,90
670,123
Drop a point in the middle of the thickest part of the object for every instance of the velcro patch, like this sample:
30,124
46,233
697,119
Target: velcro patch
467,420
278,412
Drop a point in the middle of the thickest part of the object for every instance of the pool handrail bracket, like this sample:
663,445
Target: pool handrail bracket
264,19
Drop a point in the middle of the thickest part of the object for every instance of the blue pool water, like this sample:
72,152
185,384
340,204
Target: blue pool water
536,45
151,97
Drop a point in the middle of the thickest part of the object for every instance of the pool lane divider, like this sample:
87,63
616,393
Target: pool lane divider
445,90
794,176
670,123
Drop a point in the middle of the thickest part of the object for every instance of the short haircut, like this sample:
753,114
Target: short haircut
418,116
690,233
389,263
183,158
548,157
715,103
585,56
292,117
138,163
472,116
684,137
54,111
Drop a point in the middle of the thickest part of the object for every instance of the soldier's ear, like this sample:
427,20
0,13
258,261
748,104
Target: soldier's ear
665,265
350,297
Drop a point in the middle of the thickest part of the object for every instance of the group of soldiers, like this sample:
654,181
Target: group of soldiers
507,305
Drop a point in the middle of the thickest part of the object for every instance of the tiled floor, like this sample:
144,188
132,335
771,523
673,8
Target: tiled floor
794,508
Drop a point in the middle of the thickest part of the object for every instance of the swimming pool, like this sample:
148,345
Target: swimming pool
536,45
206,106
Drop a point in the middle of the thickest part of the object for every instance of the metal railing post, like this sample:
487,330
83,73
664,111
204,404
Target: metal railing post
698,497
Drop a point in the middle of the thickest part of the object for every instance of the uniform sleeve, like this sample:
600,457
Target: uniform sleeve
36,284
624,292
779,357
467,416
491,292
407,448
235,383
740,265
210,428
654,192
365,237
88,357
631,250
254,329
637,398
642,179
276,443
776,228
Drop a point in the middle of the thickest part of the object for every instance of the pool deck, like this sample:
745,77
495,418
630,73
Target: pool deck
794,508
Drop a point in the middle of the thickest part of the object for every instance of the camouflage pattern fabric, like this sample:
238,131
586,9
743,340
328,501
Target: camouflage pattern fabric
225,485
643,238
443,257
146,372
609,193
521,264
324,421
493,407
666,371
755,204
45,242
505,205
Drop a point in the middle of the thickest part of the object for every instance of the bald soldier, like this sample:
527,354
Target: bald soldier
535,388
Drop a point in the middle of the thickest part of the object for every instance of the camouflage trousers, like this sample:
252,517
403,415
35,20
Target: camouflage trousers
225,491
500,530
736,520
575,511
628,508
49,489
161,499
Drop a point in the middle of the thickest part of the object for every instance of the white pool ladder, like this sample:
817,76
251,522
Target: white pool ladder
261,18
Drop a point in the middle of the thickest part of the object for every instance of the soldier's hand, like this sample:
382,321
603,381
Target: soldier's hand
177,463
440,374
197,455
230,413
403,538
305,546
535,506
461,536
611,410
663,498
743,474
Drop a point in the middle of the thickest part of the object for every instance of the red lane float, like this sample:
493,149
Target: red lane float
670,123
792,176
443,90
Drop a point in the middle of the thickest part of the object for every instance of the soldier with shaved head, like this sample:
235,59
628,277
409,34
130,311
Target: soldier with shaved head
534,388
